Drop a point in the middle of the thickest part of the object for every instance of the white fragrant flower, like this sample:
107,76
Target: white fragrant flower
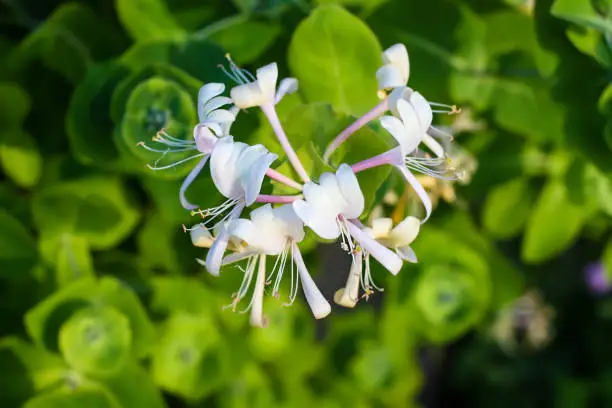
237,171
273,232
331,209
397,238
396,69
260,90
214,124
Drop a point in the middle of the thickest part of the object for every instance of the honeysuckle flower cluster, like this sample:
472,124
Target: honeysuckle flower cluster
265,243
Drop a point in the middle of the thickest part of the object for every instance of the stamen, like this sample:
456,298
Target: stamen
154,167
448,109
214,212
434,167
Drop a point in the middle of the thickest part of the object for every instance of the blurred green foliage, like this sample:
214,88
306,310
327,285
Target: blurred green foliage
103,304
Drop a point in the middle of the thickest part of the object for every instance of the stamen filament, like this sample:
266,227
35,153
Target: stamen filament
195,156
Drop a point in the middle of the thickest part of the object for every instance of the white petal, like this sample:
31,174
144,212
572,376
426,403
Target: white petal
396,128
286,86
187,182
294,226
253,164
257,318
323,224
214,256
397,55
387,258
349,295
407,254
238,256
214,104
221,116
389,76
422,109
204,138
247,95
201,236
224,166
396,95
412,125
319,306
433,145
206,93
351,192
418,188
381,227
266,78
405,232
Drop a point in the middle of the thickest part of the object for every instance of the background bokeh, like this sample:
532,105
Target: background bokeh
102,303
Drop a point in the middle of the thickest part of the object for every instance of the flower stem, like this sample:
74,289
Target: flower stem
393,156
277,199
270,111
355,126
281,178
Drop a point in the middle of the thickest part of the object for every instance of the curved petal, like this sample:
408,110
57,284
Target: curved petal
206,93
286,86
247,95
201,236
422,109
433,145
397,55
224,166
322,224
254,162
221,116
349,295
214,257
319,306
257,317
293,223
418,188
411,124
384,256
215,103
351,192
266,79
396,128
187,182
396,95
381,227
407,254
204,138
405,232
389,76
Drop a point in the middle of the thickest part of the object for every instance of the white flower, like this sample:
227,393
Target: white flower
398,239
273,232
214,123
396,69
237,171
331,209
262,90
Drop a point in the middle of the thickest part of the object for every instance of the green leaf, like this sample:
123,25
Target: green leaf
96,341
44,321
188,361
244,39
148,20
21,160
581,12
14,105
554,224
18,252
606,258
69,41
335,56
96,208
181,294
453,290
90,396
507,208
122,386
69,255
88,123
32,370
